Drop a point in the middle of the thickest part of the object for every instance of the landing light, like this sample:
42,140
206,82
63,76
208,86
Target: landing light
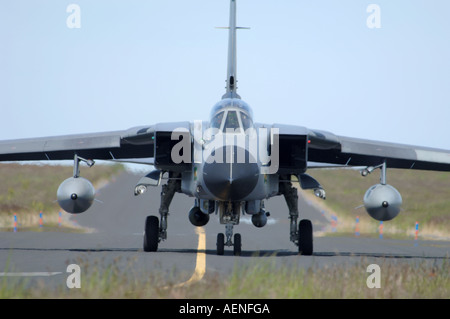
139,190
319,192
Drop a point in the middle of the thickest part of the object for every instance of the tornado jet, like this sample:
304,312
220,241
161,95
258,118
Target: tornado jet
228,164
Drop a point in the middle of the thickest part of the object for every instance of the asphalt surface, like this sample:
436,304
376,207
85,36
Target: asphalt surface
117,224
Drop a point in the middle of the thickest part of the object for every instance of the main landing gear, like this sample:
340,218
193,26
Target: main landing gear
156,230
303,235
151,233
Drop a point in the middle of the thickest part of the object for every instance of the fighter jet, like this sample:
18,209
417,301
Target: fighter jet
229,164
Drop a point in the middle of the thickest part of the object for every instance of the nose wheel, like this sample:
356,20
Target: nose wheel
222,241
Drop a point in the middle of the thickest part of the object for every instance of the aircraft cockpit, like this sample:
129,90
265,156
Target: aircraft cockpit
232,116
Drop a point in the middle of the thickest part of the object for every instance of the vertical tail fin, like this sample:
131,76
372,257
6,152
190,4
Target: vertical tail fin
231,67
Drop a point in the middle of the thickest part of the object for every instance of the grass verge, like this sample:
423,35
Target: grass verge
26,190
426,200
255,280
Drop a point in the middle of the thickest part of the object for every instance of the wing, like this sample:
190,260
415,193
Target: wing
325,147
133,143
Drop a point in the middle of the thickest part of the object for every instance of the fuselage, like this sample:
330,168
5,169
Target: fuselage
233,153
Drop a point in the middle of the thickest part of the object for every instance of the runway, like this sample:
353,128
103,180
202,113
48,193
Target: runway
189,252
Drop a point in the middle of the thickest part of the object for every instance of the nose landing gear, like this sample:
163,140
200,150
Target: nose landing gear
229,214
221,242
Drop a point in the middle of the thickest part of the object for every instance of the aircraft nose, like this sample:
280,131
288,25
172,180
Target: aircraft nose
231,179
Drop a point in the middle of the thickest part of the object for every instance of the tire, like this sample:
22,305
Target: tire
220,244
305,237
151,233
237,244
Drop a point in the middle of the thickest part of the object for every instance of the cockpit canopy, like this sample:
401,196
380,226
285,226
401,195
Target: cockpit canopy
231,115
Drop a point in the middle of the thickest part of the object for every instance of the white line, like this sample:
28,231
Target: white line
29,274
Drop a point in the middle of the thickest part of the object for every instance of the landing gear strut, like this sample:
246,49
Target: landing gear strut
303,235
156,230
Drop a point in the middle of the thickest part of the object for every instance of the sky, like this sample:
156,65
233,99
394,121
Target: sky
318,64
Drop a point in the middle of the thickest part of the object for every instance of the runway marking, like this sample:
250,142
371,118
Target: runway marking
200,266
29,274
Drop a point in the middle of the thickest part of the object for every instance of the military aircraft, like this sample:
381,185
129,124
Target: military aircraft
230,165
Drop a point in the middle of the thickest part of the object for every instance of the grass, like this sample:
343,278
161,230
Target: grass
426,199
397,281
26,190
255,280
